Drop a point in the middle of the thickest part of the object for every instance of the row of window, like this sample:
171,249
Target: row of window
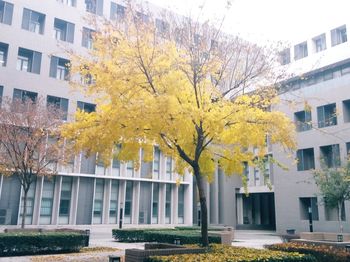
59,102
301,50
329,155
326,116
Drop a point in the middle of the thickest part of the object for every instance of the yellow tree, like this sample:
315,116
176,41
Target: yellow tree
181,85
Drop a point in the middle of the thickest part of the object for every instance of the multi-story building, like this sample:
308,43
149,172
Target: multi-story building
317,99
33,38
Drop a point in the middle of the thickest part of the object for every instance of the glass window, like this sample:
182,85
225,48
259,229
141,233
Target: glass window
94,6
117,11
68,2
28,61
86,107
156,162
24,95
60,103
308,204
6,12
65,200
168,190
339,35
59,68
3,53
306,159
155,203
33,21
128,202
169,168
63,30
330,155
319,43
113,205
302,120
87,40
181,202
300,51
47,201
327,115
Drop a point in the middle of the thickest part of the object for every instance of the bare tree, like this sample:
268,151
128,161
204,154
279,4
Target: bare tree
29,145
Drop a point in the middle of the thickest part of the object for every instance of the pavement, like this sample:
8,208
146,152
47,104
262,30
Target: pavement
101,236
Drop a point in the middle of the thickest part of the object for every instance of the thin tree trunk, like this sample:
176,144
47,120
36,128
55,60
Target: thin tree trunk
203,203
339,217
24,207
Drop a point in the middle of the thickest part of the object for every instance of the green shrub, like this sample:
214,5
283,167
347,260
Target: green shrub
322,253
222,253
28,243
161,235
198,228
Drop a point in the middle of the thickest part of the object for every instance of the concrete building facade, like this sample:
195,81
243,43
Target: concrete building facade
33,37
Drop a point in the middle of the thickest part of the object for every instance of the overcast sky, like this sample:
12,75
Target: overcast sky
286,20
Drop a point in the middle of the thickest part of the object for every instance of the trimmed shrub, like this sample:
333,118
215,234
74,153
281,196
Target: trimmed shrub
161,235
222,253
29,243
322,253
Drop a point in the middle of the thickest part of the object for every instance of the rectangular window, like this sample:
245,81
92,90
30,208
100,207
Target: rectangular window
300,51
24,95
65,200
113,205
155,203
94,6
128,202
130,169
246,170
168,189
6,12
327,115
306,159
308,204
87,40
331,214
117,11
98,202
162,27
86,107
47,201
330,155
3,53
338,35
142,17
346,111
68,2
28,60
60,103
63,30
59,68
1,92
156,162
347,148
302,120
285,56
319,43
33,21
169,168
30,204
181,202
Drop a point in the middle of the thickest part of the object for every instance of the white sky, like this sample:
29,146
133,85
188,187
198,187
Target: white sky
285,20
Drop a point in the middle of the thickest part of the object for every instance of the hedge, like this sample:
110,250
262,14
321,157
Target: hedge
161,235
29,243
322,253
222,253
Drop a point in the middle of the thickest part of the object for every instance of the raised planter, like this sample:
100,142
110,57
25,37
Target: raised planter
159,249
325,236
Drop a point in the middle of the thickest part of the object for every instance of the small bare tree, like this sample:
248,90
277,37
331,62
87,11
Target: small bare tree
29,145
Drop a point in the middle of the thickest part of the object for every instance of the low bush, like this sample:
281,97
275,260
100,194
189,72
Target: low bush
161,235
322,253
222,253
29,243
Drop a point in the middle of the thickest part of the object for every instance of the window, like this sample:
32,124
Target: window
319,43
24,95
6,11
142,17
347,148
300,51
33,21
117,11
59,68
169,168
1,92
330,155
30,204
98,202
326,115
128,202
47,201
60,103
87,38
68,2
346,111
331,214
168,189
302,120
155,203
94,6
306,159
308,204
113,205
156,160
86,107
246,170
3,53
65,200
63,30
338,35
28,60
285,56
130,169
181,202
162,27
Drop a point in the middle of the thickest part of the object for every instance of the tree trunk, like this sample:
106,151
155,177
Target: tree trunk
203,203
24,206
339,217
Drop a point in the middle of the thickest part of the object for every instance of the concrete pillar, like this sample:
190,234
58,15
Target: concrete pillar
74,201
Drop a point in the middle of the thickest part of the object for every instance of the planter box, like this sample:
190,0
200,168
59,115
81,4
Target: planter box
324,236
159,249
